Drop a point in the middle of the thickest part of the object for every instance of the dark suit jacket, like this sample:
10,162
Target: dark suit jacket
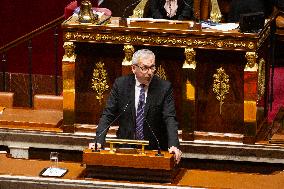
159,112
184,11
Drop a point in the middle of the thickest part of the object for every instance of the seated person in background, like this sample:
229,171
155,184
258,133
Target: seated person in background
145,106
239,7
171,9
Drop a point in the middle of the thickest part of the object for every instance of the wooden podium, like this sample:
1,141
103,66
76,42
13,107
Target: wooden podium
130,164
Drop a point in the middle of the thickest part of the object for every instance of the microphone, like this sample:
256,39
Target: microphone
158,142
100,134
129,6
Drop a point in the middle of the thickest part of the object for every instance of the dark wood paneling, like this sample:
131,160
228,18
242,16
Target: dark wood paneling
208,116
88,109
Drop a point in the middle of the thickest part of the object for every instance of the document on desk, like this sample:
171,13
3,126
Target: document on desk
53,172
222,26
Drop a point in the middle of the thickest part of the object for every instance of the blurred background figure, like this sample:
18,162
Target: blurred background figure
171,9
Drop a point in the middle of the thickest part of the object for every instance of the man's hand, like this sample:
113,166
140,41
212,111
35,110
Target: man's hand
177,153
92,146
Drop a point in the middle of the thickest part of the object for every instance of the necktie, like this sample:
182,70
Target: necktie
140,114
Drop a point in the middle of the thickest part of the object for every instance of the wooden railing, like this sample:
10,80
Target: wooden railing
32,34
28,38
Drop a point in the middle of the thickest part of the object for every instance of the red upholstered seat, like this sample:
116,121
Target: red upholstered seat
42,101
69,9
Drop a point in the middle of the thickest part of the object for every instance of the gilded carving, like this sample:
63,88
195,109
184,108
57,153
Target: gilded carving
261,78
99,81
161,73
138,11
251,45
69,55
189,61
220,44
86,14
215,13
68,35
251,61
128,50
221,86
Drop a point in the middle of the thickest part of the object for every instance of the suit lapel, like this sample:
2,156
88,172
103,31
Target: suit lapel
150,96
131,89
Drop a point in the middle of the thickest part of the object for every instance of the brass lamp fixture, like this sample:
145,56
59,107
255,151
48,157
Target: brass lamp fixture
86,14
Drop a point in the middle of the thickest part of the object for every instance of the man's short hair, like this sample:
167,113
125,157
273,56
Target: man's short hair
141,54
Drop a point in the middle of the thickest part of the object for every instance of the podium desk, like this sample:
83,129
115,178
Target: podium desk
220,78
141,166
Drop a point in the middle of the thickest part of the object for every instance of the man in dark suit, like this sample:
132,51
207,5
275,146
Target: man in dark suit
171,9
146,107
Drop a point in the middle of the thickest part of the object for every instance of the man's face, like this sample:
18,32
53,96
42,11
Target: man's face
144,70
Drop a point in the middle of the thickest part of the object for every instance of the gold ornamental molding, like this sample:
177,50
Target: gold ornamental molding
221,86
159,40
99,81
69,55
128,51
261,79
189,61
161,73
251,61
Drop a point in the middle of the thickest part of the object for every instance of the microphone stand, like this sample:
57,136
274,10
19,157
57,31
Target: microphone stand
96,146
158,143
96,141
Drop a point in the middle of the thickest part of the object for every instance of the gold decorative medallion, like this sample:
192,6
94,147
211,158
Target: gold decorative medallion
189,61
129,51
99,81
261,79
161,73
221,86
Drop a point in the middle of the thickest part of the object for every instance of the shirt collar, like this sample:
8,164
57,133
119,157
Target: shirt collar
137,83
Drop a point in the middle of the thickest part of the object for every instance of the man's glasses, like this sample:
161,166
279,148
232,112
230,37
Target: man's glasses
146,69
